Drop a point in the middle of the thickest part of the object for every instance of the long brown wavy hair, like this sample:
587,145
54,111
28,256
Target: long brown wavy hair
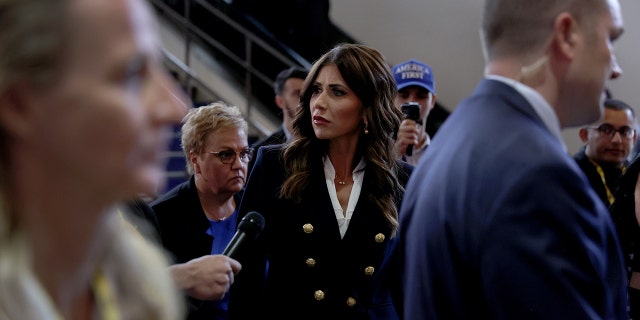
366,73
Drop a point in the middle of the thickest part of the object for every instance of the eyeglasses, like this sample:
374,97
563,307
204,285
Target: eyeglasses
229,156
610,131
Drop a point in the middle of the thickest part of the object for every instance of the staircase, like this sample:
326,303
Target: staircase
216,54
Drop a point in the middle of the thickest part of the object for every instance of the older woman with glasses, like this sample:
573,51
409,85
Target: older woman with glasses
197,218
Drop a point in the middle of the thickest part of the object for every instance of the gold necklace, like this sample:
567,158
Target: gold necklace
214,217
224,217
342,182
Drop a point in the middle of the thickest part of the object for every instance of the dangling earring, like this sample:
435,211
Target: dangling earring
366,131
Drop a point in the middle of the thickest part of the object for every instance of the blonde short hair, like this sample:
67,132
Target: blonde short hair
202,121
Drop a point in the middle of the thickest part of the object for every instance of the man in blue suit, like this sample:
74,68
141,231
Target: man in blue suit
498,221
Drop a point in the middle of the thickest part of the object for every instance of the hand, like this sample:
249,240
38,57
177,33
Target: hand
206,278
408,134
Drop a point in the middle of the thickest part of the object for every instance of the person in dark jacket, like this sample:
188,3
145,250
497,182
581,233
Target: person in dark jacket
608,142
287,87
498,221
330,200
197,217
627,221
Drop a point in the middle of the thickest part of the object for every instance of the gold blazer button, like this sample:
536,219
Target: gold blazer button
307,228
311,262
369,270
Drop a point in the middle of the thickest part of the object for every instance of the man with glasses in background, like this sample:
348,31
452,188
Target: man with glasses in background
608,143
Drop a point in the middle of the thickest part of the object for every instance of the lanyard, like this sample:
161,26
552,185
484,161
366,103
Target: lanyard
105,298
604,180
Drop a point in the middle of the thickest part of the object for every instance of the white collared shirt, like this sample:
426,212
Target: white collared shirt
358,177
539,104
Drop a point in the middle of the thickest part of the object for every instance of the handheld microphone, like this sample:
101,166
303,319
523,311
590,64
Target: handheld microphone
248,230
411,111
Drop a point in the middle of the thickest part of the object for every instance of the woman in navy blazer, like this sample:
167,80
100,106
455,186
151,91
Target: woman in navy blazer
330,200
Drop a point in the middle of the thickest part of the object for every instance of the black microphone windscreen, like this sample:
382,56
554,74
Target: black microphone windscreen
252,223
248,229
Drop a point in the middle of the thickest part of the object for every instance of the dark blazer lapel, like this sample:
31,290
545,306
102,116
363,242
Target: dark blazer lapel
364,214
318,208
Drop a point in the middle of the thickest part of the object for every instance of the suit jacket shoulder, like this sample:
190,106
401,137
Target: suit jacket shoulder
277,137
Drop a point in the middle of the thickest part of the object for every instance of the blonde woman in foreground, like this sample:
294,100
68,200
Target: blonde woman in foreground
84,102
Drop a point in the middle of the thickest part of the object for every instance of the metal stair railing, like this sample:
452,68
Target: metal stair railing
194,34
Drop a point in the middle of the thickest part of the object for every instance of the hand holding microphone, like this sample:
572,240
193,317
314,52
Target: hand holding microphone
209,277
206,278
